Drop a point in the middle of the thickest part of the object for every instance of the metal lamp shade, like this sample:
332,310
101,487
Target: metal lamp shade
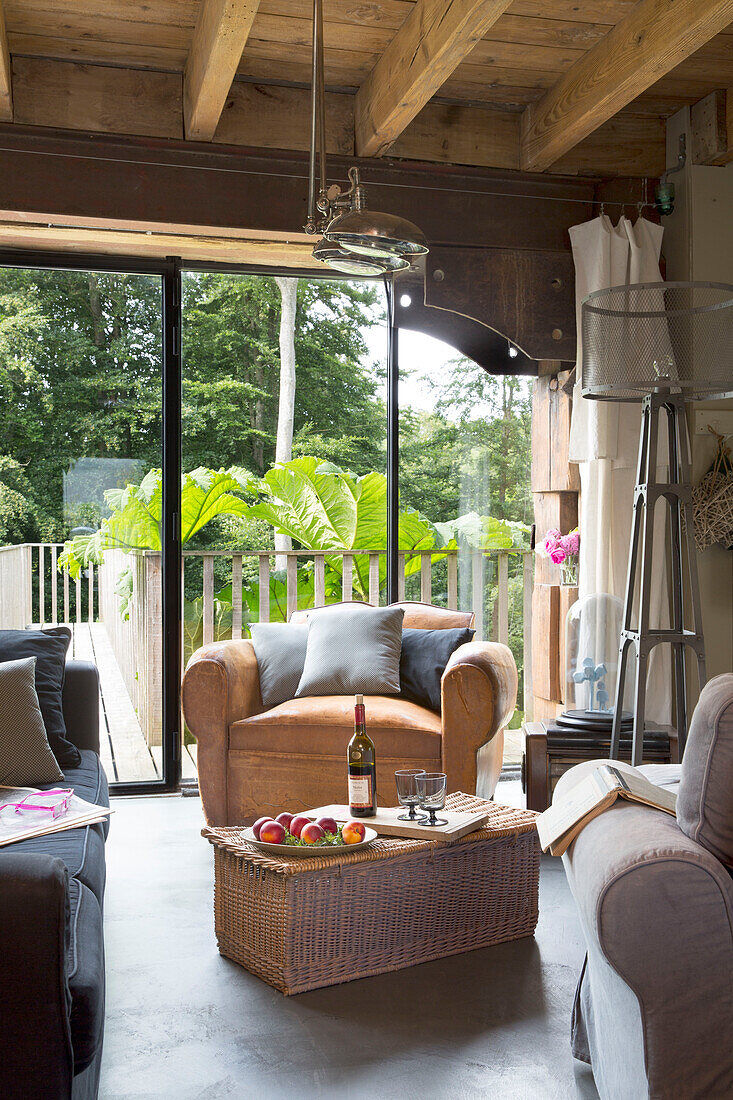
348,263
369,233
658,337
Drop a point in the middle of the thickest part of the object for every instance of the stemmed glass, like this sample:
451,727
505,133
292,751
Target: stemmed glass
405,779
431,796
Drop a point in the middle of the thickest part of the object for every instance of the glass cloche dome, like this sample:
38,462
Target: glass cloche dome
592,634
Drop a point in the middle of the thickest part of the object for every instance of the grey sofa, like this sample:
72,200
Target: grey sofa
653,1012
51,942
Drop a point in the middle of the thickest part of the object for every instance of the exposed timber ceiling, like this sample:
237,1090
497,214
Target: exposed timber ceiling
550,87
544,85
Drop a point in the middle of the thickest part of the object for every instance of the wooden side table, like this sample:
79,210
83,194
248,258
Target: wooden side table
545,758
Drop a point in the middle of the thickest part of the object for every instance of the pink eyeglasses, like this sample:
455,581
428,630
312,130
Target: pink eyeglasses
55,802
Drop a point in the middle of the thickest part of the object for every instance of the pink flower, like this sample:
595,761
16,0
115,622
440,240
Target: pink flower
571,543
557,554
552,541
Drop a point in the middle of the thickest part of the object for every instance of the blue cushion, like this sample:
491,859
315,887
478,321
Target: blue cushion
425,653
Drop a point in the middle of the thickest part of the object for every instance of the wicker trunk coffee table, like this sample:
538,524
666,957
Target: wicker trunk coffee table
304,923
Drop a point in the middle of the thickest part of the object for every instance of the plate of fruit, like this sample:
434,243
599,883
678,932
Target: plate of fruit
298,835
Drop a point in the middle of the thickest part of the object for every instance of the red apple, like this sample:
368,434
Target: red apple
312,833
272,832
328,824
285,819
297,824
353,832
258,825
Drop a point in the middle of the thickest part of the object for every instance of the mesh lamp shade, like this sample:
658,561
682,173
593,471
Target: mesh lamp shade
658,337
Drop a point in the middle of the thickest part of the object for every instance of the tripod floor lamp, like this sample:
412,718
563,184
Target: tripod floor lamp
659,344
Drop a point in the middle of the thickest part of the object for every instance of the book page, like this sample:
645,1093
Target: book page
637,788
587,795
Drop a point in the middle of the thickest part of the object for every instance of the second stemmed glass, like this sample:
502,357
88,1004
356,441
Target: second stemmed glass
431,792
405,779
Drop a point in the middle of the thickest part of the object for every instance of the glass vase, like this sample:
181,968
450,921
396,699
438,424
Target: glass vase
569,572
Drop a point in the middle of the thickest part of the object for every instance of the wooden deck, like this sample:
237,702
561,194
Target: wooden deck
125,755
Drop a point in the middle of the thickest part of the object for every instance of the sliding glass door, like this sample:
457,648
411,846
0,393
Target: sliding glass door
83,542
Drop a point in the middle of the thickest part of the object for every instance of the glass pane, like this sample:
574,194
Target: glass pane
465,466
80,456
293,372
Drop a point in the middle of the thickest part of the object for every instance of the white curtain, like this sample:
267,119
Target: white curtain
604,441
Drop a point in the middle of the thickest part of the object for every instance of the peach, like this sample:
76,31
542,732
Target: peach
285,819
297,824
258,825
328,824
312,833
272,832
353,832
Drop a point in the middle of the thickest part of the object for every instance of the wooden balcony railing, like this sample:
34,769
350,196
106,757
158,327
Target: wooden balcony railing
496,584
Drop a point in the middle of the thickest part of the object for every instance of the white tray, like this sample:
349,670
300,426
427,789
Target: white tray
298,851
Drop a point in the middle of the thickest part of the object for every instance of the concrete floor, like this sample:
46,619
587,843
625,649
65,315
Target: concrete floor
184,1023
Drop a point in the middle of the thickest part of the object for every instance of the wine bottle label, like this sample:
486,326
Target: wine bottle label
360,792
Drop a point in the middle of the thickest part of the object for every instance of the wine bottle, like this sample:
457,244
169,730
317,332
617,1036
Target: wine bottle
362,762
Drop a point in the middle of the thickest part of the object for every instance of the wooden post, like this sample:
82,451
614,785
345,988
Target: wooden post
453,581
41,585
291,584
347,578
319,589
54,585
236,596
208,608
264,573
374,579
477,593
426,578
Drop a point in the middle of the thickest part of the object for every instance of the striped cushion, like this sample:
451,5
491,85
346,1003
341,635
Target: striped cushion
26,759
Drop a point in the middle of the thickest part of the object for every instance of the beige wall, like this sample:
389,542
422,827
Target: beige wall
698,244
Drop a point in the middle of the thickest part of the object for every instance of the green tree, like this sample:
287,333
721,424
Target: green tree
232,372
80,374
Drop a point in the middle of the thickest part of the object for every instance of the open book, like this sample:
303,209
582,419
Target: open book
560,824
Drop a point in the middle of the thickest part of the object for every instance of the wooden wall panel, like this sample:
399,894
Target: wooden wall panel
546,641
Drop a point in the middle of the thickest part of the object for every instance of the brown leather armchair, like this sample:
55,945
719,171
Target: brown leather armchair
253,761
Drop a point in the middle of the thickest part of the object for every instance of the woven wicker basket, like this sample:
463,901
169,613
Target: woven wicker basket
304,923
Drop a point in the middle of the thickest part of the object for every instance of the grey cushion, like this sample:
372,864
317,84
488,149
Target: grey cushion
353,648
49,647
280,652
705,799
26,759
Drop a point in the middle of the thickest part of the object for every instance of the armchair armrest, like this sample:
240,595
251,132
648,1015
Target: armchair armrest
656,999
221,684
36,1059
478,697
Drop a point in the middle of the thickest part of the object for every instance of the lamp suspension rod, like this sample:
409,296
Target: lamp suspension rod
312,214
318,6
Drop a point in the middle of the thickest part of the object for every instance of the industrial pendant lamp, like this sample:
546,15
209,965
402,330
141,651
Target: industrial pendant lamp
355,240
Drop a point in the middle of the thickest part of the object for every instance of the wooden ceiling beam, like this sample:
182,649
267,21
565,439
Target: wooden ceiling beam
6,72
655,37
220,35
436,36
